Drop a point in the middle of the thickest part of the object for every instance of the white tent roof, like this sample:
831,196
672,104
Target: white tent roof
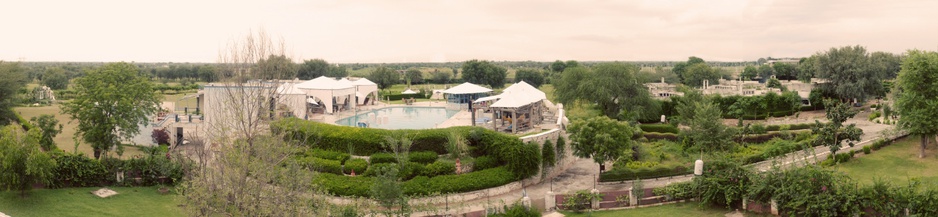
363,82
409,91
311,101
519,94
324,83
467,88
488,98
289,88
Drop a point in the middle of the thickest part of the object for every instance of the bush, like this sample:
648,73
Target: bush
459,183
866,150
320,165
423,157
378,158
78,171
758,129
518,210
358,165
485,162
842,157
411,170
874,115
341,185
678,191
624,174
548,155
375,168
440,168
367,141
659,128
329,155
660,136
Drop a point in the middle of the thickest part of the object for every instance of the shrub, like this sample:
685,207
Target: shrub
411,170
623,174
842,157
378,158
78,171
866,150
375,168
661,136
659,128
358,165
423,157
758,129
321,165
341,185
367,141
548,155
329,155
485,162
523,160
440,168
874,115
518,210
678,191
467,182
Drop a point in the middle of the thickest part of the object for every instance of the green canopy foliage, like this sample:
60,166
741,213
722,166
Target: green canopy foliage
601,138
917,102
484,72
22,163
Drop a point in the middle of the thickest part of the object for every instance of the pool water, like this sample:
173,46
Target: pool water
400,118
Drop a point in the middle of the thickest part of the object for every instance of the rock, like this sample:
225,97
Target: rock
104,193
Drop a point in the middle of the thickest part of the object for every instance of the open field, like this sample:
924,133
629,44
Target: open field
896,163
65,139
677,209
130,201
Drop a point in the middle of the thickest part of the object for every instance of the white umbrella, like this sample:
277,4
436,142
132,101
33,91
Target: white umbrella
409,91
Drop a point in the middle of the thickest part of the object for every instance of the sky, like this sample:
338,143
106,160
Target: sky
383,31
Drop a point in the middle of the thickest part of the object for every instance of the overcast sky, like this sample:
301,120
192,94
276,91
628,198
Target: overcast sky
346,31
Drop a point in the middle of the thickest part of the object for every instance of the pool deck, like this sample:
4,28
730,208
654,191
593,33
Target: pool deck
462,118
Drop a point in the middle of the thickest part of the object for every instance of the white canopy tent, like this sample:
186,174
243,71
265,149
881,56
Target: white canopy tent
519,94
293,97
467,88
460,96
363,88
327,89
409,91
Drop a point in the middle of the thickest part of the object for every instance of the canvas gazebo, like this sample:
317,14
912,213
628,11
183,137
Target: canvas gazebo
334,94
365,88
461,95
522,102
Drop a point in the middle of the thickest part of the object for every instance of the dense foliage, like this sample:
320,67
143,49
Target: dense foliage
22,162
484,72
918,96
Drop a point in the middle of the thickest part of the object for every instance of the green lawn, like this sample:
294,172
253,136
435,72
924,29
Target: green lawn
896,163
130,201
677,209
65,139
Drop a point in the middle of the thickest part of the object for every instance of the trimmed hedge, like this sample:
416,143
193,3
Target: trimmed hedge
378,158
360,186
358,165
643,173
423,157
485,162
329,155
661,136
440,168
321,165
659,128
374,168
78,171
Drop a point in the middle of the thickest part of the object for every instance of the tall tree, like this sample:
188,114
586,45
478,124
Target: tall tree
22,163
14,78
834,133
280,66
766,72
49,127
785,71
440,77
337,71
484,72
55,78
111,104
413,76
849,71
614,87
531,76
886,64
312,69
918,95
695,74
558,66
384,77
806,68
749,73
707,131
681,68
601,138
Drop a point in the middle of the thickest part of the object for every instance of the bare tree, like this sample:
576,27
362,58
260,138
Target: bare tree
244,170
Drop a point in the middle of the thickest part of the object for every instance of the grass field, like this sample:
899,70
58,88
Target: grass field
130,201
677,209
896,163
64,140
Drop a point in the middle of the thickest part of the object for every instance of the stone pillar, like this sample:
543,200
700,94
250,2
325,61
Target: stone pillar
526,201
745,203
550,201
774,207
595,202
698,167
633,201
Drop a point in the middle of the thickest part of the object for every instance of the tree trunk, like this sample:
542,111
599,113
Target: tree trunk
97,153
921,153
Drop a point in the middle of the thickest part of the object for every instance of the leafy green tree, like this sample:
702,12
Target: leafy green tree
849,71
50,127
531,76
766,72
413,76
337,71
612,86
681,68
388,192
886,64
558,66
111,103
806,68
571,63
697,73
834,133
918,96
281,66
749,73
13,79
785,71
312,69
706,128
601,138
484,72
774,83
384,77
55,78
568,85
22,163
440,77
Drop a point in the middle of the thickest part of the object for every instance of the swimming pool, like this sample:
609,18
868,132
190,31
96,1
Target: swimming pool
400,117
